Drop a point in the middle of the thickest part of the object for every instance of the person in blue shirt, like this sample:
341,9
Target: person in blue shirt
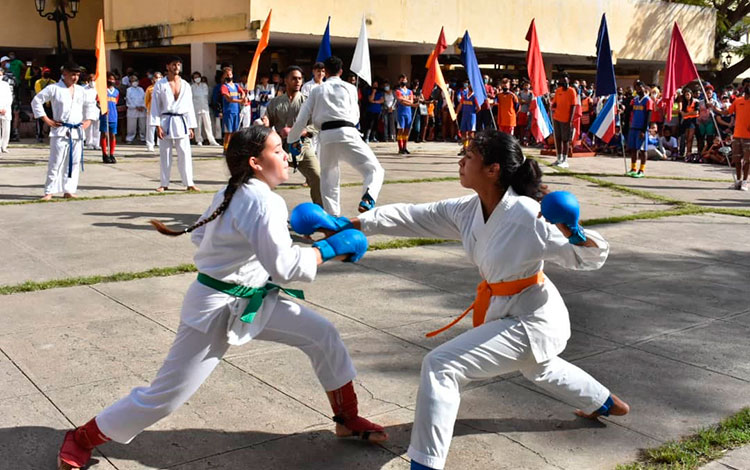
642,106
467,106
373,109
108,122
406,101
232,96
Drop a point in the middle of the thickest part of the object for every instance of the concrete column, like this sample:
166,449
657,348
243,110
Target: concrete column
398,64
649,75
549,67
114,60
203,59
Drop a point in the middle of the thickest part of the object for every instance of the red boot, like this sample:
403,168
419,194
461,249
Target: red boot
78,444
346,416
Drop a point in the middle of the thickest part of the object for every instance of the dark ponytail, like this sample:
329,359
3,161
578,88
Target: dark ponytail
248,142
516,171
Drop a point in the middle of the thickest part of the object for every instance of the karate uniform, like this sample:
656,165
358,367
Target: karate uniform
525,332
6,100
175,117
92,133
136,118
245,245
202,116
65,144
150,123
336,100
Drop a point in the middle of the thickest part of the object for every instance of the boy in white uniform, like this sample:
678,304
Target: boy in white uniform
136,114
173,115
6,113
200,106
72,111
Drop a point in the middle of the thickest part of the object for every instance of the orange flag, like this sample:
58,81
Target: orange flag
435,75
262,44
100,79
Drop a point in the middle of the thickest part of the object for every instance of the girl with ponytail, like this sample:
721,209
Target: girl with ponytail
244,248
521,323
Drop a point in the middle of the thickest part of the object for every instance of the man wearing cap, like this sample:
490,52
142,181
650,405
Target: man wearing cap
6,101
72,112
40,85
10,79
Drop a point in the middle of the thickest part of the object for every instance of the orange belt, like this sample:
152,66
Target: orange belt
485,291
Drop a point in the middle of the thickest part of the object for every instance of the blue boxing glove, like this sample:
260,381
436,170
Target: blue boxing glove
561,207
347,242
308,217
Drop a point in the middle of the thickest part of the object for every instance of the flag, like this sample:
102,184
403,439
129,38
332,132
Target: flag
435,75
100,78
604,124
541,125
680,67
469,59
361,60
535,64
324,51
262,44
605,72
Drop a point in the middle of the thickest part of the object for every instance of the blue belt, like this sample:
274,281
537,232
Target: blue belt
169,121
70,128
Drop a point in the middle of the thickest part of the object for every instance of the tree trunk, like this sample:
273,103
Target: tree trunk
727,75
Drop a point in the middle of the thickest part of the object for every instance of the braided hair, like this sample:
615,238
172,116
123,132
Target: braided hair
246,143
516,171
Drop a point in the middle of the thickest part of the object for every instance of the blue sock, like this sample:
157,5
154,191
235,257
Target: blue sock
418,466
604,410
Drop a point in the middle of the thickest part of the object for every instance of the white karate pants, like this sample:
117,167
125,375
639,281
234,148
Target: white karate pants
204,125
4,134
135,124
360,156
184,160
495,348
57,168
194,355
150,136
93,135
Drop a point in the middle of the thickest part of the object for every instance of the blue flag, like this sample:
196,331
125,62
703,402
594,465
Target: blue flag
324,51
605,72
469,59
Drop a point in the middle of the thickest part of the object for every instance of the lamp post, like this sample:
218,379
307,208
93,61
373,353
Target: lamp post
59,15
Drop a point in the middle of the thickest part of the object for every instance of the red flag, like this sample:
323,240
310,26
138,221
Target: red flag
432,62
680,67
535,64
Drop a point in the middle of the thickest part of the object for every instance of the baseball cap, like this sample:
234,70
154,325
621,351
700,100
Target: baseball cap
4,58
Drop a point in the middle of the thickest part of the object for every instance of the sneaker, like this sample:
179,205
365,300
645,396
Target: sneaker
200,144
639,174
631,173
736,185
563,164
406,151
743,186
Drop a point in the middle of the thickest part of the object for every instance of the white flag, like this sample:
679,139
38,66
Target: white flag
361,60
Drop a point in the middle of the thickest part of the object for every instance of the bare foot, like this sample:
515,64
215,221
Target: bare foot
193,189
619,408
369,436
69,196
46,197
161,189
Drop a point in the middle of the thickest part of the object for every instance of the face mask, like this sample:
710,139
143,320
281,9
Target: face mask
402,83
227,80
453,84
110,83
466,86
45,75
133,82
7,66
565,86
197,79
505,89
387,88
151,75
486,81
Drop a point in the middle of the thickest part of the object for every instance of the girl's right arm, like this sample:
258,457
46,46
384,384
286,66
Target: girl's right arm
436,219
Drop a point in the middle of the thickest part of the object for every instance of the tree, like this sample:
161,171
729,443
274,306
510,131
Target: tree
732,24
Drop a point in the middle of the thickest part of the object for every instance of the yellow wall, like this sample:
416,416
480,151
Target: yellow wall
23,27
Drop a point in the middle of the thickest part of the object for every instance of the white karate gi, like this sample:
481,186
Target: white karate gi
336,100
246,111
71,109
6,100
176,128
245,245
524,332
93,134
134,99
202,115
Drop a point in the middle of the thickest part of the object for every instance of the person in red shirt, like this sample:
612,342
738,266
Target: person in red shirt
741,142
564,104
507,105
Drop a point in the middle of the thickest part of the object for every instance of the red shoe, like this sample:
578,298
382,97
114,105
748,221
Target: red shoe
78,444
347,419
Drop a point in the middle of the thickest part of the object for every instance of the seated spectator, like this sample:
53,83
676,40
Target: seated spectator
669,143
711,152
614,146
652,144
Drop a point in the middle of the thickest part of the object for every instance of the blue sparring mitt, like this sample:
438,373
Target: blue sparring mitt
561,207
309,217
347,242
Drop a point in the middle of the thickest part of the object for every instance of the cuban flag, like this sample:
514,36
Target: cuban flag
604,124
541,125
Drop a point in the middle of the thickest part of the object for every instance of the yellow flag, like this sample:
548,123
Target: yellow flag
262,44
440,82
100,79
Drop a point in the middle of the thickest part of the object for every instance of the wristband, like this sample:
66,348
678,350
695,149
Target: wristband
342,223
326,250
578,235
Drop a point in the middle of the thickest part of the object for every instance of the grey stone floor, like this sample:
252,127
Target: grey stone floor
665,325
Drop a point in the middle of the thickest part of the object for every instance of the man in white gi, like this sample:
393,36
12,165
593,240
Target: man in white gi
319,73
93,134
72,111
136,114
6,113
334,109
200,106
172,114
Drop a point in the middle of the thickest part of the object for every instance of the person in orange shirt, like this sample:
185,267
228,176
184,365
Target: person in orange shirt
741,138
507,104
564,104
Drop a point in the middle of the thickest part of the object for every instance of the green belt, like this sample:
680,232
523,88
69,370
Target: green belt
254,294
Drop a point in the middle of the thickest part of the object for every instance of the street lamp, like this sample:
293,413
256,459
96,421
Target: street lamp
59,15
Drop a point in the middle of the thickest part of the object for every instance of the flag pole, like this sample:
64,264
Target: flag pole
716,126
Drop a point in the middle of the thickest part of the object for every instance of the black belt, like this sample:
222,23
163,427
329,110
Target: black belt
327,126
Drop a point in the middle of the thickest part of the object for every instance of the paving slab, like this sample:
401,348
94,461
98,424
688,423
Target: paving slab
702,193
737,459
